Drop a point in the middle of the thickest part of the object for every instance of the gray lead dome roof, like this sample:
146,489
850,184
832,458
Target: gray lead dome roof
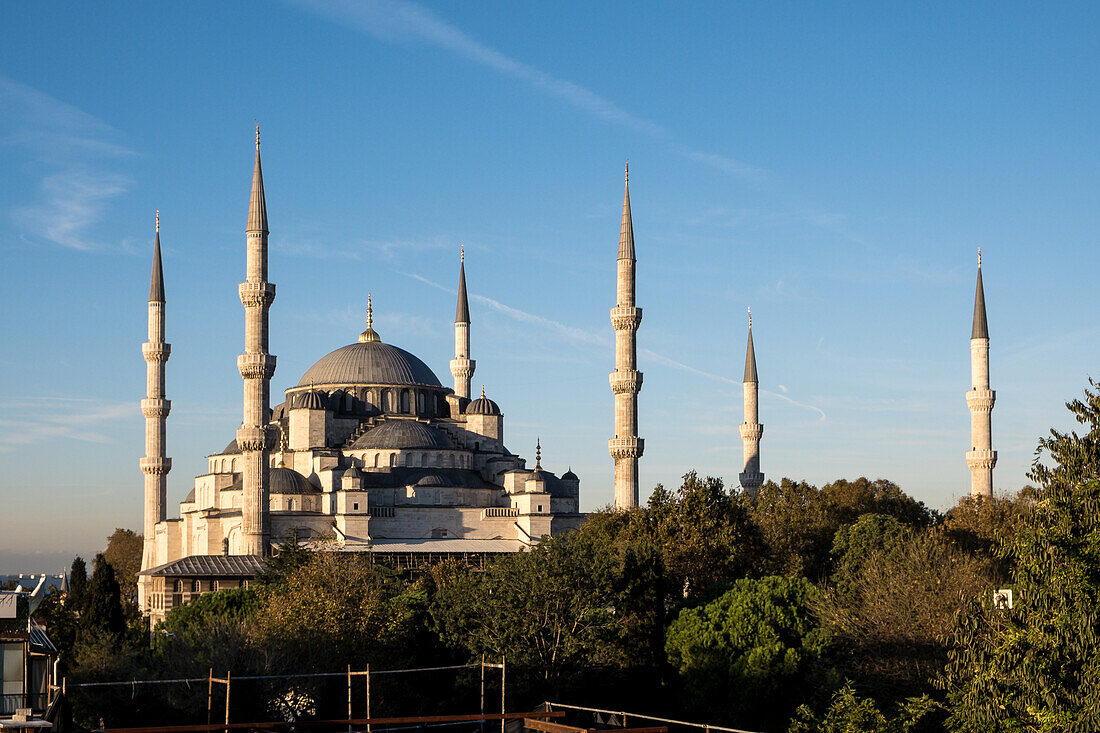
403,434
372,362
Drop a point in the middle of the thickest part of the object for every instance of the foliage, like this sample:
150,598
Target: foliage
987,526
850,713
78,582
102,609
892,601
704,533
799,522
123,553
748,656
1037,666
210,632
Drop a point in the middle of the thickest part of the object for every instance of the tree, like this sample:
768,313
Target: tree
1036,666
123,553
987,525
705,535
102,611
850,713
78,582
748,656
891,603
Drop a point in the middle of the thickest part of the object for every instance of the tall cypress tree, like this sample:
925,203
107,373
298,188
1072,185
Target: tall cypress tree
78,583
102,605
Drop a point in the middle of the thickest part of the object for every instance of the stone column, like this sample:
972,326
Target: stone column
981,458
256,366
155,465
751,430
626,381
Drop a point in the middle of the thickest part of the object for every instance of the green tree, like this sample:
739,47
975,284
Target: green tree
750,655
78,582
1037,666
102,610
987,525
705,535
891,603
123,553
850,713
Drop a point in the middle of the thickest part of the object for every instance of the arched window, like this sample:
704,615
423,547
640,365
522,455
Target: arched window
290,505
420,402
404,400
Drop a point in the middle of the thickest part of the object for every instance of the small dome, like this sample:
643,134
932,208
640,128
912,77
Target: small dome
432,479
353,472
312,400
403,434
482,406
288,481
230,449
369,362
569,476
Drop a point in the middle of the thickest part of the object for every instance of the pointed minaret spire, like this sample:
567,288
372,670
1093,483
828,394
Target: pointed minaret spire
255,437
257,208
156,281
626,381
626,228
981,458
751,430
462,366
981,325
155,465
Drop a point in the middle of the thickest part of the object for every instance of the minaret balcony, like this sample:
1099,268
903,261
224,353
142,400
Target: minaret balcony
463,368
254,295
254,438
156,407
986,459
626,447
751,480
156,353
625,318
256,366
155,466
751,431
626,382
981,400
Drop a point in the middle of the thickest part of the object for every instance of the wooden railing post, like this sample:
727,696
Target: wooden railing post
228,679
209,695
502,688
349,698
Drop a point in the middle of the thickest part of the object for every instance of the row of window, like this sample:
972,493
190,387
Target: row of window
195,585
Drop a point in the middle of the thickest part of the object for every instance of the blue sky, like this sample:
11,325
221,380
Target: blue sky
834,166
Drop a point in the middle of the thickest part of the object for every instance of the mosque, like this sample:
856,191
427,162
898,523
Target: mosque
370,453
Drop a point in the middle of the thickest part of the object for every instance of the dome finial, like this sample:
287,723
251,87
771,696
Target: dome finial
483,391
626,172
282,449
538,454
157,221
461,253
370,335
257,135
749,309
979,257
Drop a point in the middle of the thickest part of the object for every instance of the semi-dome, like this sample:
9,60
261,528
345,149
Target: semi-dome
285,480
369,362
403,434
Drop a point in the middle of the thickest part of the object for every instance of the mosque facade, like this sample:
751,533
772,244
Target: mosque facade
369,452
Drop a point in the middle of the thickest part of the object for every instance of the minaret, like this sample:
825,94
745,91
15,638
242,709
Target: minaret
981,458
626,381
155,465
462,366
256,366
751,430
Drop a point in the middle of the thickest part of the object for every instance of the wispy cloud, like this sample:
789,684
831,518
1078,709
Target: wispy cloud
587,338
386,250
76,157
30,420
404,22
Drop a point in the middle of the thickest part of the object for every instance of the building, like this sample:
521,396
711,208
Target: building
368,450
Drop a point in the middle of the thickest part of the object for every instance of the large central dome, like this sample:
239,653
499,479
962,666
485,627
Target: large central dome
371,362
